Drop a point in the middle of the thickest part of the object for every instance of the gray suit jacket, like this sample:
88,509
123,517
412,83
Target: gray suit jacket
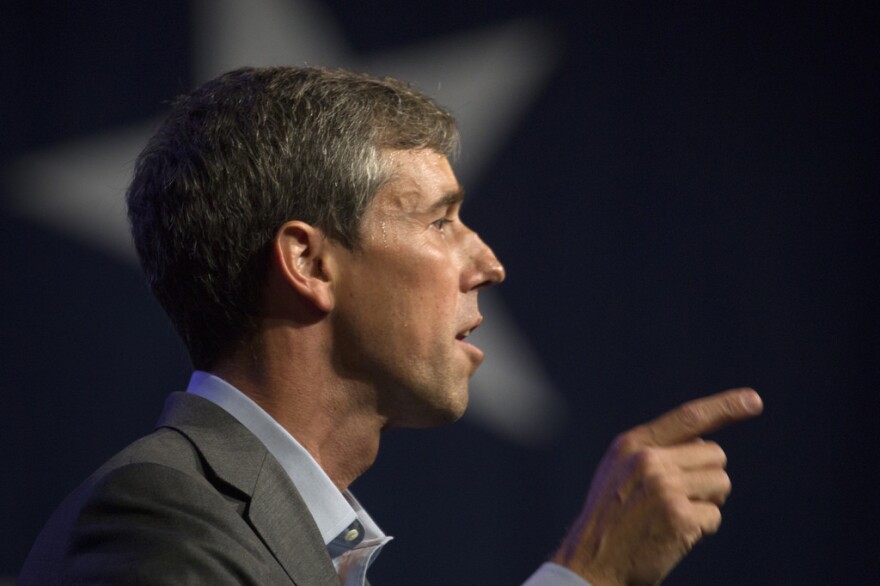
198,501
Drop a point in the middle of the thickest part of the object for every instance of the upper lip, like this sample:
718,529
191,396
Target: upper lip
468,330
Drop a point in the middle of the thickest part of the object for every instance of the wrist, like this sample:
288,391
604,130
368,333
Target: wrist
574,561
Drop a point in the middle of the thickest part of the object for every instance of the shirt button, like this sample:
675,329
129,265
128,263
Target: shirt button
351,535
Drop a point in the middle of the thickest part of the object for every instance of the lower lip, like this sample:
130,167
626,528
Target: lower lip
472,350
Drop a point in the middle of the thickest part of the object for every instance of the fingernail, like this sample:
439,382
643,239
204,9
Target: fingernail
752,402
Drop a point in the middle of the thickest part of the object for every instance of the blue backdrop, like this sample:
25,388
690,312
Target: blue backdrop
684,194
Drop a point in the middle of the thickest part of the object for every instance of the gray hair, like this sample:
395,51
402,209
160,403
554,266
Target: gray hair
247,152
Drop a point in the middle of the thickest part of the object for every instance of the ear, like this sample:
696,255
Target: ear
300,252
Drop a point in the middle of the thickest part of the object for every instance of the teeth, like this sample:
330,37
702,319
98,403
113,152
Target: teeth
465,334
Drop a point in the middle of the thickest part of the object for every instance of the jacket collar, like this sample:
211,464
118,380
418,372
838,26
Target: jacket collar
236,457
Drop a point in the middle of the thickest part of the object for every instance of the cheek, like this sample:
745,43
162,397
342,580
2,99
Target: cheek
423,310
412,289
431,293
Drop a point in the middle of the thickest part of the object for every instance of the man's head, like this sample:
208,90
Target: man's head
244,154
402,304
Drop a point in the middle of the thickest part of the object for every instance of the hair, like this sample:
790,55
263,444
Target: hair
242,155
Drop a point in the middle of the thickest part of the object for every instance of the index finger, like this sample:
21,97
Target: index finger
701,416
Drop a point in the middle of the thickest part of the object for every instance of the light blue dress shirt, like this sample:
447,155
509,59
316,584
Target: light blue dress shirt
352,537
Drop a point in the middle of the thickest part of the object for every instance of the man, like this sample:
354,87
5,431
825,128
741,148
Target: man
301,228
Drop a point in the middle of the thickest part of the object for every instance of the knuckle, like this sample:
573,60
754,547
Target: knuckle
656,485
733,405
717,452
727,486
626,443
662,488
691,416
722,490
713,523
678,513
647,462
725,483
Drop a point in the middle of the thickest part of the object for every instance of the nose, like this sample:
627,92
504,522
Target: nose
483,267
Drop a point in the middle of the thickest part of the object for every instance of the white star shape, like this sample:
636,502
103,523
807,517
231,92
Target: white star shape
486,77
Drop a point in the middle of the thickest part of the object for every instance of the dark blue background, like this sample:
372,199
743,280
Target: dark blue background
690,204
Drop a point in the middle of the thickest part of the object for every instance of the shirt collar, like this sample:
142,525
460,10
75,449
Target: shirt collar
336,514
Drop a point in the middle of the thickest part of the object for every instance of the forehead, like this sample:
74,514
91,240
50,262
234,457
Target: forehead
417,179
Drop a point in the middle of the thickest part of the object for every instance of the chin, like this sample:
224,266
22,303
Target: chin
434,413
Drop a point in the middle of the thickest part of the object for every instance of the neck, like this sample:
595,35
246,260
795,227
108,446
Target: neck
336,421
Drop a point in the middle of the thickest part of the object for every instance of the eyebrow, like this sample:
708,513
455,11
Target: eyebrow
449,199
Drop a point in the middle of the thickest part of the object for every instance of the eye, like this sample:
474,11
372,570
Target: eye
441,223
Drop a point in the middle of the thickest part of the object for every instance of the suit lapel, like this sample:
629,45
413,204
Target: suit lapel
275,507
275,511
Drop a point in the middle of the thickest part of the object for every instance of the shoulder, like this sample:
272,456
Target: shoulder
154,514
164,447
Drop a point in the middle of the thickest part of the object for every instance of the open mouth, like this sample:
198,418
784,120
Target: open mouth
467,332
474,353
